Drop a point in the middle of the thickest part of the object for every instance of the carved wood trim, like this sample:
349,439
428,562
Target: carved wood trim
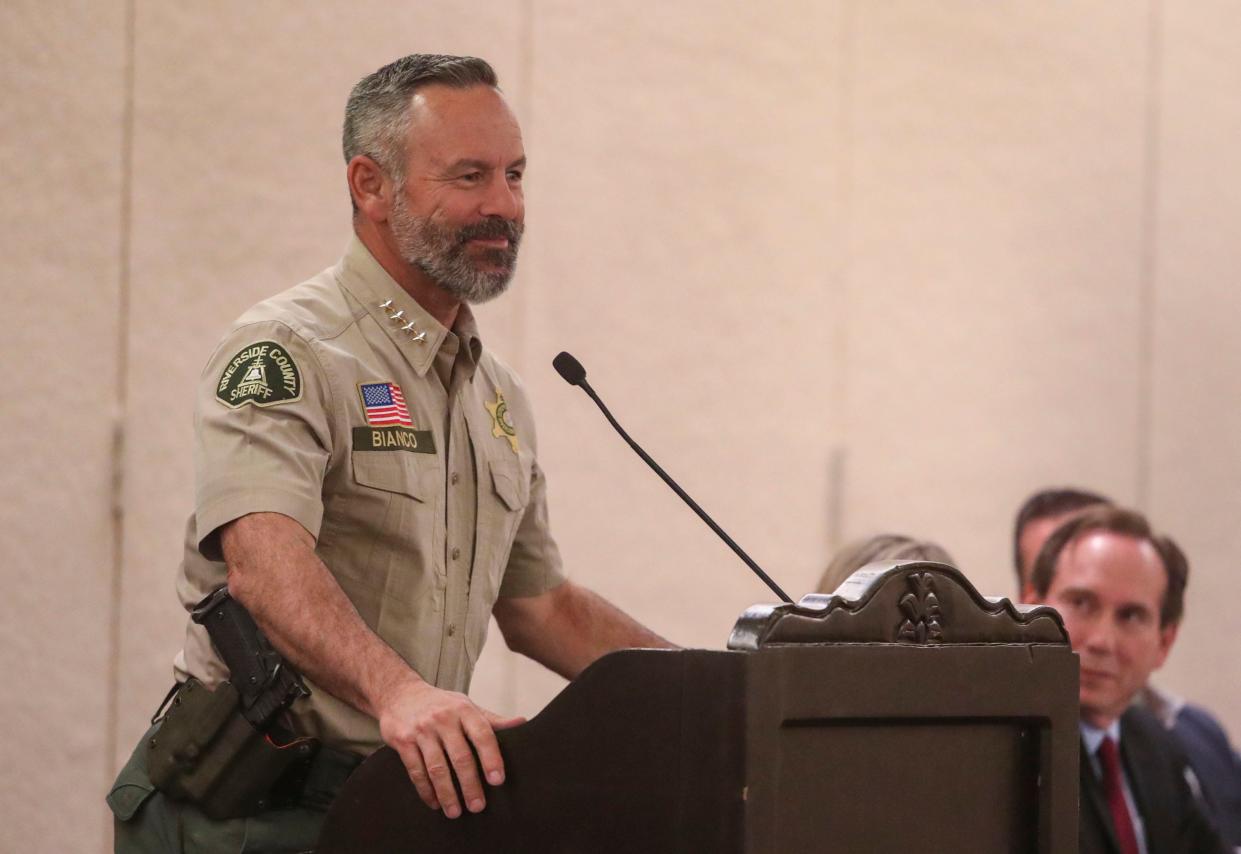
904,602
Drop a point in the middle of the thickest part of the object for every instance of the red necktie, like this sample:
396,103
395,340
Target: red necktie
1114,791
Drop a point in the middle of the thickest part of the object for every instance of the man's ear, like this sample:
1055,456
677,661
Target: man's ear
1167,635
370,187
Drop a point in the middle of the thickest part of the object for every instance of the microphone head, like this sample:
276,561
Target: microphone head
569,368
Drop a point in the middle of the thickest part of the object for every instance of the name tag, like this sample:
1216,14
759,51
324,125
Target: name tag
393,439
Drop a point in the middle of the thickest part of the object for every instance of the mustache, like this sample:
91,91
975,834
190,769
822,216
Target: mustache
490,229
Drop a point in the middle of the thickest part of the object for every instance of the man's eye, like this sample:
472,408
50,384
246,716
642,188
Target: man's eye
471,177
515,175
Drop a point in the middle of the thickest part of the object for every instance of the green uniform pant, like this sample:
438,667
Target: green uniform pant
148,822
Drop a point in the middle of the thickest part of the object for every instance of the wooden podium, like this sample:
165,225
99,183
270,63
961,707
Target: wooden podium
903,713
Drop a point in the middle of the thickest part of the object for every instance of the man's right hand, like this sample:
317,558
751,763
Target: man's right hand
437,734
274,572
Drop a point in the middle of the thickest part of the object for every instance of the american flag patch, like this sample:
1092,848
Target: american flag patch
384,405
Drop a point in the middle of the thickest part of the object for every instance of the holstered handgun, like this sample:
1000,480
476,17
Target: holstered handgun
223,750
264,681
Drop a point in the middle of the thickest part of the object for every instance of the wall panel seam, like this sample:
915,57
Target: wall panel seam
1150,253
837,471
121,401
522,299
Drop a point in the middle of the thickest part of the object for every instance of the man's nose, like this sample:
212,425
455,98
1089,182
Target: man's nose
502,199
1100,637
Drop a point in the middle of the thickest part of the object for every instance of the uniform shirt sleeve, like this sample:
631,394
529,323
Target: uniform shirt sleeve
262,433
534,564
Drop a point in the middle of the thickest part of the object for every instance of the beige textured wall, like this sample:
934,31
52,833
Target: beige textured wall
840,266
61,138
1193,460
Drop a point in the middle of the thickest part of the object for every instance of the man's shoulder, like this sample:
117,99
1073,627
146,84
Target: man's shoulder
1155,756
315,309
497,369
1145,732
1142,720
1199,724
499,375
288,328
1157,767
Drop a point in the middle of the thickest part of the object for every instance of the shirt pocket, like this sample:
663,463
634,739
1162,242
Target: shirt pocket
510,479
391,471
377,539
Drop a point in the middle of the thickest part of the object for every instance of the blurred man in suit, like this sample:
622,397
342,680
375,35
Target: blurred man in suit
1215,777
1120,589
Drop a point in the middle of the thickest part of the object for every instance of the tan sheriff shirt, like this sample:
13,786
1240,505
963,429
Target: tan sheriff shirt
406,449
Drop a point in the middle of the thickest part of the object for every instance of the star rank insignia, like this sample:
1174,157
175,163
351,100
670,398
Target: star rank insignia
410,326
501,423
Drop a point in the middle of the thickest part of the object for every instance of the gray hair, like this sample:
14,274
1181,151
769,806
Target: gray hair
377,114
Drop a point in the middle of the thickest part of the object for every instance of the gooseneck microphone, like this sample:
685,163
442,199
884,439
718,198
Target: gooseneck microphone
574,374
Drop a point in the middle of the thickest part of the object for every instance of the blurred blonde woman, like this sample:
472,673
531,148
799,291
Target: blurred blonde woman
858,553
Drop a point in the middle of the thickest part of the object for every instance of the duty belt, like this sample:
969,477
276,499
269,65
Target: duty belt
316,784
205,752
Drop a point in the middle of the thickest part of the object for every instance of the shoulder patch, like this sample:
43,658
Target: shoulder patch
263,374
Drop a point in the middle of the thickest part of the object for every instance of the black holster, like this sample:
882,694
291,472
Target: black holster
207,753
226,750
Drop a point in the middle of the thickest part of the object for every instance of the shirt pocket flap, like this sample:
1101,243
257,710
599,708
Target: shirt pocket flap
392,472
513,489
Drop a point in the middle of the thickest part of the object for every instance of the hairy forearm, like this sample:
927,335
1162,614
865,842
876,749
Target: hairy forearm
274,572
567,629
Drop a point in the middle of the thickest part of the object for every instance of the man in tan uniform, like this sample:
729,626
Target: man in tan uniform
367,476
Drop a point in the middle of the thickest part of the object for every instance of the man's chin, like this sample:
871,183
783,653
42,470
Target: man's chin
1100,711
480,289
482,295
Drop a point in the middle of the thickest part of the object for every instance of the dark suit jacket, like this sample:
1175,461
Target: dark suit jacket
1217,766
1156,771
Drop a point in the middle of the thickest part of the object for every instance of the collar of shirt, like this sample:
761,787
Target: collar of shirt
1092,736
364,277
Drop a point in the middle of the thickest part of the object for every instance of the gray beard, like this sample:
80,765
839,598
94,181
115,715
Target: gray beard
444,256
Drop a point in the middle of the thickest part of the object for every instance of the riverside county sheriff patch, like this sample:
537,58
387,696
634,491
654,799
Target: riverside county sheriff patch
501,423
263,374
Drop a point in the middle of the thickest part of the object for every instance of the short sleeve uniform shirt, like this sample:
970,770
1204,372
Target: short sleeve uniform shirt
403,447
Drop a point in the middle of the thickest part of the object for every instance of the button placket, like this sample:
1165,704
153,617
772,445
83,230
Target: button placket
460,521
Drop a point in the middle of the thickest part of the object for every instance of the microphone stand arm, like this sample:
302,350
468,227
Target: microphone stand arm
684,497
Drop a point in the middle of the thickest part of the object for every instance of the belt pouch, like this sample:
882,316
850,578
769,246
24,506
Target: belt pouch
206,753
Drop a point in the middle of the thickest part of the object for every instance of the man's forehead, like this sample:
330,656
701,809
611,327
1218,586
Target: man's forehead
439,114
1118,566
